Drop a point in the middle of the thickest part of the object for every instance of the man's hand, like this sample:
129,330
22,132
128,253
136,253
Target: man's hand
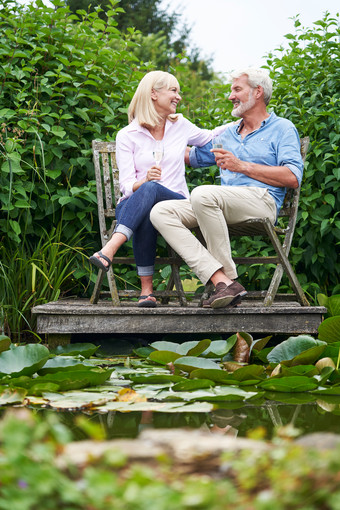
280,176
226,160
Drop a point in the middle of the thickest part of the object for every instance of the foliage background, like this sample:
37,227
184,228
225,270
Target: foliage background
67,78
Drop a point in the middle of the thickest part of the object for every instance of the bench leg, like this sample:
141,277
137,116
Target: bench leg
112,284
97,286
286,265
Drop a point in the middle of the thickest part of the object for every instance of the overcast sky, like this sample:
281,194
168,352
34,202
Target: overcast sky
239,33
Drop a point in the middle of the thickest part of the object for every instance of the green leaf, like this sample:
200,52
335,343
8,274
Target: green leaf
213,374
85,349
5,342
333,305
71,380
155,378
294,346
59,363
193,348
329,329
143,352
193,384
189,363
163,357
335,390
12,396
250,372
305,370
219,348
23,360
288,384
165,346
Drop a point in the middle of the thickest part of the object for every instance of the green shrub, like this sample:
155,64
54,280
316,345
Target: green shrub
307,92
63,84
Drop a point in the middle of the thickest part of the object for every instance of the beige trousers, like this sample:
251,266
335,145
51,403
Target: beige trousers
211,208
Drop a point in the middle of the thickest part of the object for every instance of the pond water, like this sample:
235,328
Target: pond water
257,421
109,411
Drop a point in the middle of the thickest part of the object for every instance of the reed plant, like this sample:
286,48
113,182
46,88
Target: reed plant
33,274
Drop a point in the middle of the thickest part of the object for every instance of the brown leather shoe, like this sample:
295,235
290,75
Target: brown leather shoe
225,295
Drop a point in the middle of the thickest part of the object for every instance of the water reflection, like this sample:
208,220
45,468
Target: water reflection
262,422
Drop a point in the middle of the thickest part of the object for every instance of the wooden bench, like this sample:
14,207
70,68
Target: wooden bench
108,193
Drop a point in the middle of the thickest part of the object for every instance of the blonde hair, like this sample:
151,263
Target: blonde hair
142,107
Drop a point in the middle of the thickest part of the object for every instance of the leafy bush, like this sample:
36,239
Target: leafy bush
63,84
307,92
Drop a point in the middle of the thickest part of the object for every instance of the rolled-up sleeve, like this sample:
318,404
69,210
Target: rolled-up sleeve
201,156
289,152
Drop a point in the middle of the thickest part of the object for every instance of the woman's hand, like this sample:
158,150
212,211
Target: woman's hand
154,174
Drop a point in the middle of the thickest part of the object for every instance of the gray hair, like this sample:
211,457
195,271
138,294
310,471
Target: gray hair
256,76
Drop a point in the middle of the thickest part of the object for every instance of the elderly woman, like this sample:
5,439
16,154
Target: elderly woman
150,158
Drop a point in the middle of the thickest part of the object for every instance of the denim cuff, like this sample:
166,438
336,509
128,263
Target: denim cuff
145,270
122,229
193,158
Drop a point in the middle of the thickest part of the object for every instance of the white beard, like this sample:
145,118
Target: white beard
239,110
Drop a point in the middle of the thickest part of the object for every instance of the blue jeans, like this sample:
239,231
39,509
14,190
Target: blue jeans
133,217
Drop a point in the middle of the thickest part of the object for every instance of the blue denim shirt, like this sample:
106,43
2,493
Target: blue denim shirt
275,143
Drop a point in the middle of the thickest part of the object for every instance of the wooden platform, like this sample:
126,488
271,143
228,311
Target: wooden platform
67,317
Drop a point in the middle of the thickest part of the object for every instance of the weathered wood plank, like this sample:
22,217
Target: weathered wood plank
79,316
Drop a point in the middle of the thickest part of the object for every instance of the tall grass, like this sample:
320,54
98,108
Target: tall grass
33,275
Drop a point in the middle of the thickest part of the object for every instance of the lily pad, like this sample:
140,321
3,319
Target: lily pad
250,372
12,396
163,357
290,398
194,348
225,393
5,342
165,346
219,348
291,348
306,370
85,349
332,351
67,380
213,374
193,384
332,303
289,384
334,390
258,345
189,363
329,330
143,352
155,378
23,360
59,363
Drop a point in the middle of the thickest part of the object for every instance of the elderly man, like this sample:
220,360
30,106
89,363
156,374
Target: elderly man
260,158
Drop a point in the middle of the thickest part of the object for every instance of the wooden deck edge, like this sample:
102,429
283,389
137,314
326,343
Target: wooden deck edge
73,317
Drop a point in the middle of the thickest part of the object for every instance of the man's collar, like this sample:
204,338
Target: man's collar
263,123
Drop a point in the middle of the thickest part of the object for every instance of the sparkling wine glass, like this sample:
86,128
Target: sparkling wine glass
158,151
217,142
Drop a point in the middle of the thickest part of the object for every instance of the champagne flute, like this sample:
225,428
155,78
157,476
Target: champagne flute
158,152
217,143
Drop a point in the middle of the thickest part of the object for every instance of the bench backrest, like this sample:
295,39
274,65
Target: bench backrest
107,180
